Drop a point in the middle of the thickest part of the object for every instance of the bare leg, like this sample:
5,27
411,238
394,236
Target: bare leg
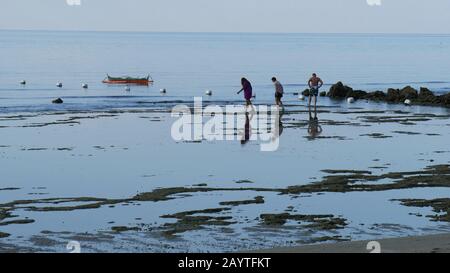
249,104
315,103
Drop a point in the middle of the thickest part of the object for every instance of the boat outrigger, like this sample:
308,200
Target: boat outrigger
128,80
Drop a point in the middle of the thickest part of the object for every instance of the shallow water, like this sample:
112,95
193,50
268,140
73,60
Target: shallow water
118,154
107,143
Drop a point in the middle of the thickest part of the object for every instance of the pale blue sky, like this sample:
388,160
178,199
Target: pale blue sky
329,16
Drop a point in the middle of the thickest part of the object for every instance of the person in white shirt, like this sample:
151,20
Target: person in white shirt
279,91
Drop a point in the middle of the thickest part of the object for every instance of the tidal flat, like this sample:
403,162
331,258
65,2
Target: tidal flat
116,181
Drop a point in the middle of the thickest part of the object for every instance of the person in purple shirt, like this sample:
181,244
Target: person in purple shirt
248,91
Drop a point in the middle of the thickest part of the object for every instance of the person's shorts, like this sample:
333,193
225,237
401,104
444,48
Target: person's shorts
278,95
314,91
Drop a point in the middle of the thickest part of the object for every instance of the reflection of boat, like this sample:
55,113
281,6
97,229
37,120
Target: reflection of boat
128,80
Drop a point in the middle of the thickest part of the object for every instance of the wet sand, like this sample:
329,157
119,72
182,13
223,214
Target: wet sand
415,244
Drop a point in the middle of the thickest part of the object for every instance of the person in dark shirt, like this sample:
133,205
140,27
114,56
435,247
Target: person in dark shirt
248,91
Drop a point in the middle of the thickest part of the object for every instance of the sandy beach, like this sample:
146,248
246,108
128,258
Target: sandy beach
415,244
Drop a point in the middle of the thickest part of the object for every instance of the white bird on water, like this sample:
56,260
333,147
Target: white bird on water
59,84
208,92
163,91
301,97
351,100
85,86
407,102
23,82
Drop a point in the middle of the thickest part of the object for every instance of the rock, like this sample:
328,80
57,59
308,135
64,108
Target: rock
163,91
85,86
208,93
445,99
377,96
408,93
323,94
23,82
306,92
357,94
393,95
58,101
339,90
426,96
425,92
59,84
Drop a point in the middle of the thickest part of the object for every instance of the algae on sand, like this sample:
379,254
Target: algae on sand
119,229
316,222
440,206
190,220
256,200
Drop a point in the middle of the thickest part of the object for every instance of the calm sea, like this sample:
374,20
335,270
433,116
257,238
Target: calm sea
116,156
187,64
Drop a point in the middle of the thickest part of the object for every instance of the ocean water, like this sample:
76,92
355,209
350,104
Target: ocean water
105,142
187,64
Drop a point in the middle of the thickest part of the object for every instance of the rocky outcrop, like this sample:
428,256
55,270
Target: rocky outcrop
339,90
422,97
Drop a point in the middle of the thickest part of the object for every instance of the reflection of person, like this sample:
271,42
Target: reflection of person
248,90
314,128
314,83
278,130
279,91
247,129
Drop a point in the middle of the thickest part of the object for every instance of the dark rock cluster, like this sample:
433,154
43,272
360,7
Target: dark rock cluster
422,97
58,101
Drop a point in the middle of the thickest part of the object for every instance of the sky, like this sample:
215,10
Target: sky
284,16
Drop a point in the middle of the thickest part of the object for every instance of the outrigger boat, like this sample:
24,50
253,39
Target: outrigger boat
128,80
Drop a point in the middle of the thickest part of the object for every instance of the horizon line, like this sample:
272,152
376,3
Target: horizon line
221,32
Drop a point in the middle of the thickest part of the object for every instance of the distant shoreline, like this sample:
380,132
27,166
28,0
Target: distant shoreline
416,244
